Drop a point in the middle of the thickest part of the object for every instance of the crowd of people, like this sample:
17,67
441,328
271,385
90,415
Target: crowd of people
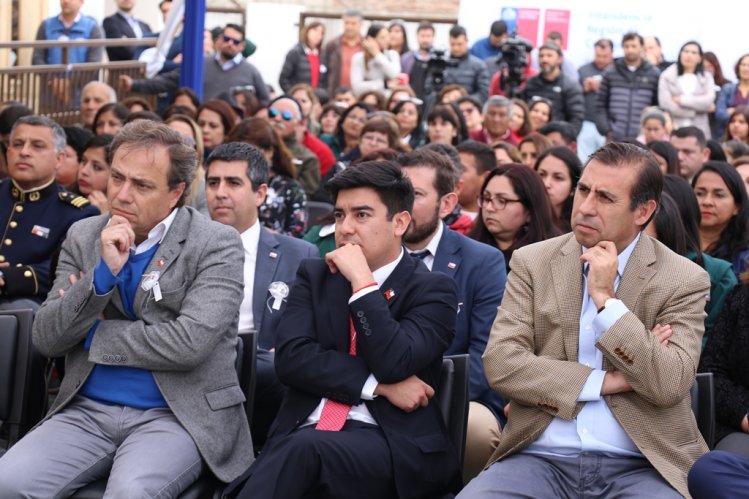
582,234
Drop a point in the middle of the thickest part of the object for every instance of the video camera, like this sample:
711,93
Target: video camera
438,62
512,62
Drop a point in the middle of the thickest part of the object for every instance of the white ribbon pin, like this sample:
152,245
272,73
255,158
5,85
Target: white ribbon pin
151,281
279,290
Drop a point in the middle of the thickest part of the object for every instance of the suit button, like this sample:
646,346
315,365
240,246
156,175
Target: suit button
360,313
363,320
117,358
630,362
617,350
124,358
105,358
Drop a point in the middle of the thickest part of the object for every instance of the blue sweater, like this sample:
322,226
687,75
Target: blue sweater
129,386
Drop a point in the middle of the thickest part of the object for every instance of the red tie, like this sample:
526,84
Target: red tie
334,414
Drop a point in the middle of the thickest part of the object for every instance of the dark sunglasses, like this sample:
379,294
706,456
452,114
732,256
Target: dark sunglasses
286,115
236,41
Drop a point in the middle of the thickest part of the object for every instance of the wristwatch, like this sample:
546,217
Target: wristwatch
608,302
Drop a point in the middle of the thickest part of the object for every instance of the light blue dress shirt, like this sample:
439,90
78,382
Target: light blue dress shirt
595,429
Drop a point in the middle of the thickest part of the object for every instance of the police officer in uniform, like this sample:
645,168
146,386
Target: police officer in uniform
35,212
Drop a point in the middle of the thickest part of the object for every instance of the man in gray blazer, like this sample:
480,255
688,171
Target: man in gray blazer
236,185
144,307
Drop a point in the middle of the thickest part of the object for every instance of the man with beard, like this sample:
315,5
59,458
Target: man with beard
285,114
627,87
414,63
228,67
479,274
564,92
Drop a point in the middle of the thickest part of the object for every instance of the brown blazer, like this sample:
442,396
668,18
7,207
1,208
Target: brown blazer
531,357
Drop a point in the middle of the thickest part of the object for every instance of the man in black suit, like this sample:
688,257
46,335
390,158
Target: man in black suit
401,318
236,185
122,24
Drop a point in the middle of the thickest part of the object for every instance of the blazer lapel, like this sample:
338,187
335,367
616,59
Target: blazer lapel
268,256
166,254
639,270
338,293
567,275
448,258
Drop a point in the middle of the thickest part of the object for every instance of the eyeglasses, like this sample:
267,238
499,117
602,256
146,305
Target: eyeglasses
497,201
235,41
286,115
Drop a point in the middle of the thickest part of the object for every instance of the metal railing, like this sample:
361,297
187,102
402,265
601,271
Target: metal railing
54,90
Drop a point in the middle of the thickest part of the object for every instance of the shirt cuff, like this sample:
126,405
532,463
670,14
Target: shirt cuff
367,392
592,389
104,279
609,315
362,292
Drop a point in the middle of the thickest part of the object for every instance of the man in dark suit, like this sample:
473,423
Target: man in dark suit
122,24
366,328
236,185
479,273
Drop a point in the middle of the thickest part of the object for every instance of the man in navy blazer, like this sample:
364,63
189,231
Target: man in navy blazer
236,185
479,273
360,348
122,24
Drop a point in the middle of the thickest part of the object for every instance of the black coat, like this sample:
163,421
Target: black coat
296,69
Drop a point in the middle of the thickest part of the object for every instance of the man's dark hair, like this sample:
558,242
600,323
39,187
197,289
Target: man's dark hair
147,134
385,177
649,182
631,35
716,151
564,129
77,139
498,28
691,131
425,25
9,116
449,151
257,165
457,31
604,43
235,27
486,161
444,172
555,35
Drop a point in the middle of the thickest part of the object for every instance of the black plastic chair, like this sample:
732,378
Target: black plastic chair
452,397
703,406
736,443
22,386
207,486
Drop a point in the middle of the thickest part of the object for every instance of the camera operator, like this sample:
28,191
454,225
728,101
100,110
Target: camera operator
491,46
565,93
511,68
415,62
462,69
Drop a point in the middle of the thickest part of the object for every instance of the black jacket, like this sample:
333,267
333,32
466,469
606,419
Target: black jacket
622,97
296,69
566,98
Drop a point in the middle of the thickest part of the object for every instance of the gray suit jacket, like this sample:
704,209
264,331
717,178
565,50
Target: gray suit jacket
187,339
278,259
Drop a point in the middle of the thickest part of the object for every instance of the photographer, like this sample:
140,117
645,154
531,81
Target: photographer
511,68
462,68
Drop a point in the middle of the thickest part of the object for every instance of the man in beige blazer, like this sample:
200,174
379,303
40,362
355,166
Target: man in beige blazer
596,344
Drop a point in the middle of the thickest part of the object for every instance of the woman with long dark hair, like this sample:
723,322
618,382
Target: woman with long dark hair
686,90
408,115
348,131
376,64
722,278
514,210
560,169
724,206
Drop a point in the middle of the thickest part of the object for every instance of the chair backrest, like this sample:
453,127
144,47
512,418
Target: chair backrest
248,371
703,406
453,399
22,390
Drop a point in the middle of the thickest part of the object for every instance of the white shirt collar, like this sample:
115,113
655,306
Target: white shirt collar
431,247
156,235
251,238
68,26
380,275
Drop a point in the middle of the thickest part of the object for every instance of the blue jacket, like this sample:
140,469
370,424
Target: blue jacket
724,101
53,29
479,273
